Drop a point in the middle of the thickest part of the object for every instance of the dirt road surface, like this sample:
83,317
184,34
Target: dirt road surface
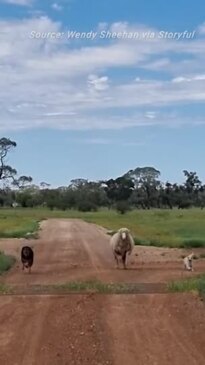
134,329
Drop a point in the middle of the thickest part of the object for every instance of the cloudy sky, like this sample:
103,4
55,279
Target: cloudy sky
94,88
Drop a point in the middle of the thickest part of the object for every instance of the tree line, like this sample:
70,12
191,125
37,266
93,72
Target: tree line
139,188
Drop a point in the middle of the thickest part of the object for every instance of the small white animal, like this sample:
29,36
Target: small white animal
122,244
188,262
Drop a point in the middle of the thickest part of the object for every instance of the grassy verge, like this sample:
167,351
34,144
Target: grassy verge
193,284
89,287
161,228
4,289
6,262
18,225
94,286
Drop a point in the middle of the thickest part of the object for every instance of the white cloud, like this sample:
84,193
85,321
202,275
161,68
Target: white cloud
180,79
201,28
160,64
99,141
57,7
150,115
18,2
113,142
102,26
45,82
96,83
199,77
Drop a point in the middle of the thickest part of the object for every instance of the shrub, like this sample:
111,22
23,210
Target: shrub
6,262
122,207
87,206
192,284
193,243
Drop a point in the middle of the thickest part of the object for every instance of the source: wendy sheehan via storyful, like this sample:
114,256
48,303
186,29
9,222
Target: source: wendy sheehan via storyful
105,34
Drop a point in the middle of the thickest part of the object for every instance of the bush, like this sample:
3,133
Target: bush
185,204
6,262
87,206
122,207
192,284
193,243
141,242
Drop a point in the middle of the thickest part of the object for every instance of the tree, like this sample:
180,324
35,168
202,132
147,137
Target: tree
44,185
6,171
78,183
119,189
166,195
192,182
23,181
146,183
7,197
143,175
122,206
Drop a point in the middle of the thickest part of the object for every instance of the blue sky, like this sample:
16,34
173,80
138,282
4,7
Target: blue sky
95,108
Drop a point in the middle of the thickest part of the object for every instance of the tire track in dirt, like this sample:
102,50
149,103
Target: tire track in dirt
53,331
156,330
34,331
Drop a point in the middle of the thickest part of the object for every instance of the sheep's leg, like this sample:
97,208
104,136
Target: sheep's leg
117,262
22,266
124,260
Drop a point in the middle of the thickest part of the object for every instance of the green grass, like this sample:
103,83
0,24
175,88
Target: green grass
95,287
87,287
90,286
75,287
6,262
192,243
162,228
17,225
4,289
193,284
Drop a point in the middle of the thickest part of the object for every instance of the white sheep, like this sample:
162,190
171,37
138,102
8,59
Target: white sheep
188,262
122,243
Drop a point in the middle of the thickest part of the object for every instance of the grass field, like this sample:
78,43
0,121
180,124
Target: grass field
166,228
193,284
6,262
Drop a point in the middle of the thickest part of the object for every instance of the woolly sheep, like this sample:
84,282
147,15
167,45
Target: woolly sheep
122,243
188,262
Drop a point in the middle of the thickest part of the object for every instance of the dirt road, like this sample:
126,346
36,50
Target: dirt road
143,329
